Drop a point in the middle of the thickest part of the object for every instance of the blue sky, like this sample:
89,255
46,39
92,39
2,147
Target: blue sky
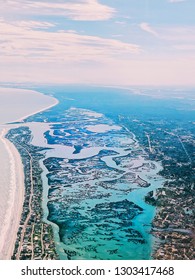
107,42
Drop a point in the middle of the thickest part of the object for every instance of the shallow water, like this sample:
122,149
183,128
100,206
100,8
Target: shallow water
79,212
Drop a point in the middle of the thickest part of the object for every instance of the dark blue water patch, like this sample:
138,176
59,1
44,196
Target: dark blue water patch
77,149
113,102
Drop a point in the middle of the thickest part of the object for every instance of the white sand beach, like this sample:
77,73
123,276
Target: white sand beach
13,196
15,104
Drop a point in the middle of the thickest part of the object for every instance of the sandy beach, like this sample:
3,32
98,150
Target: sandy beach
12,187
13,210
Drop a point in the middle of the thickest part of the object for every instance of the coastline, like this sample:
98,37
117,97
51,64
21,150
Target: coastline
27,103
16,186
38,111
9,228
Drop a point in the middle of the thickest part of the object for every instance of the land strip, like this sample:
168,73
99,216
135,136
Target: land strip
34,238
172,144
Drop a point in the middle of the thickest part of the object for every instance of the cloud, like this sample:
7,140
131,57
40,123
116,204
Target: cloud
176,1
162,71
80,10
180,34
147,28
183,47
120,22
171,34
40,42
22,41
35,24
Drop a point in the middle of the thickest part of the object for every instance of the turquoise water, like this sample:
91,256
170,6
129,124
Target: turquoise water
91,176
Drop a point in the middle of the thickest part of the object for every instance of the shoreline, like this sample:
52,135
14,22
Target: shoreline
24,95
37,112
16,188
11,221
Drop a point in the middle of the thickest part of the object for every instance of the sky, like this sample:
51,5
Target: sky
102,42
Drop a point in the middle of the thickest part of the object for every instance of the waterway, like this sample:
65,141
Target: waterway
141,223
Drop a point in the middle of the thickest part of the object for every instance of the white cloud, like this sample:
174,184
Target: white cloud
147,28
183,47
82,10
120,22
36,51
22,41
180,34
35,24
176,1
177,34
150,72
